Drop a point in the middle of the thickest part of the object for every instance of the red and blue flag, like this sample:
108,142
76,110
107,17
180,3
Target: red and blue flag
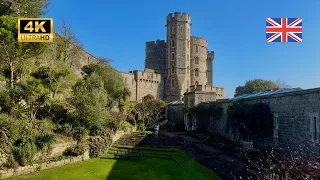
284,29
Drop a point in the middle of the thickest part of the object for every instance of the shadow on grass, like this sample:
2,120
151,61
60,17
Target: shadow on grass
153,157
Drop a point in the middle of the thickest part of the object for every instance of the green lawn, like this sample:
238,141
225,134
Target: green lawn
146,168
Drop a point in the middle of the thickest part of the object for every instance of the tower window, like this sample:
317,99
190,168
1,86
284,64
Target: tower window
196,60
172,56
196,72
172,83
172,69
196,83
197,49
206,74
172,43
188,44
209,59
188,57
188,69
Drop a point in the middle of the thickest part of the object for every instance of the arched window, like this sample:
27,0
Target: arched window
197,48
196,83
172,83
196,72
172,69
188,69
172,56
196,60
209,59
172,43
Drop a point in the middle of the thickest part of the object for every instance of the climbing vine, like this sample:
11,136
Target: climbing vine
250,120
204,112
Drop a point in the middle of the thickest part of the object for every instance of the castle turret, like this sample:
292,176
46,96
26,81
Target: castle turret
178,55
210,59
198,64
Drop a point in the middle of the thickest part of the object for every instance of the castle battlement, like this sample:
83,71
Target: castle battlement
157,43
148,74
198,39
207,88
178,16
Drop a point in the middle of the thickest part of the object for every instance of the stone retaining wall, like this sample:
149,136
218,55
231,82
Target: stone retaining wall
36,167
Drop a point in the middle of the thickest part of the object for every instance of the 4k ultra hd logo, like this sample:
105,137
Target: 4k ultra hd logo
35,30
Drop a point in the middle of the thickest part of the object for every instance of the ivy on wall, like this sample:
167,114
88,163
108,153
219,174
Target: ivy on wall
250,120
204,112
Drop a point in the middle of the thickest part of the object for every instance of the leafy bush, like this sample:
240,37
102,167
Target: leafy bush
65,129
250,120
44,141
79,133
9,132
77,150
100,144
125,126
24,150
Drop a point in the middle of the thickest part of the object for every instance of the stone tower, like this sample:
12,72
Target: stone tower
209,65
199,69
178,56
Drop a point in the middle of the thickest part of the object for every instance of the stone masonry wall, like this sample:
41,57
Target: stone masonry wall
198,61
148,82
296,117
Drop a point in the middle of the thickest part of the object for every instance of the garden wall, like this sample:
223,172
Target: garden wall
37,167
296,119
174,113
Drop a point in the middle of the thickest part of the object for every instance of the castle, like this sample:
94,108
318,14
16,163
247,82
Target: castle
180,64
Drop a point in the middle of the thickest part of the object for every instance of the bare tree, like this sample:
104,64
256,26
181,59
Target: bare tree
282,84
68,44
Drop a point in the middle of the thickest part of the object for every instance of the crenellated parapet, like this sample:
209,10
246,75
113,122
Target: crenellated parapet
156,44
178,16
207,88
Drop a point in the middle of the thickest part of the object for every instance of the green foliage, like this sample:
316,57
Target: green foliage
9,132
150,113
125,126
13,52
65,129
100,144
21,8
44,141
77,150
250,120
35,95
79,133
204,112
255,86
24,150
57,79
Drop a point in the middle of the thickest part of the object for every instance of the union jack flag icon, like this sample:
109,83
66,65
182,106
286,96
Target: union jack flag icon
284,30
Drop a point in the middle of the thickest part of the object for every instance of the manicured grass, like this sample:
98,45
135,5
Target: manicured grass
182,167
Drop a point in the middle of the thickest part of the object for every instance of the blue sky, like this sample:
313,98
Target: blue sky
235,30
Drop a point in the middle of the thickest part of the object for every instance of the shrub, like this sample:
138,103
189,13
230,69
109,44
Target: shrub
24,150
65,129
10,162
9,132
77,150
44,141
100,144
80,133
125,126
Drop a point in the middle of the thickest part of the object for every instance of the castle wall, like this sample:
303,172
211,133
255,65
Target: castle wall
178,53
148,82
296,114
130,80
198,61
